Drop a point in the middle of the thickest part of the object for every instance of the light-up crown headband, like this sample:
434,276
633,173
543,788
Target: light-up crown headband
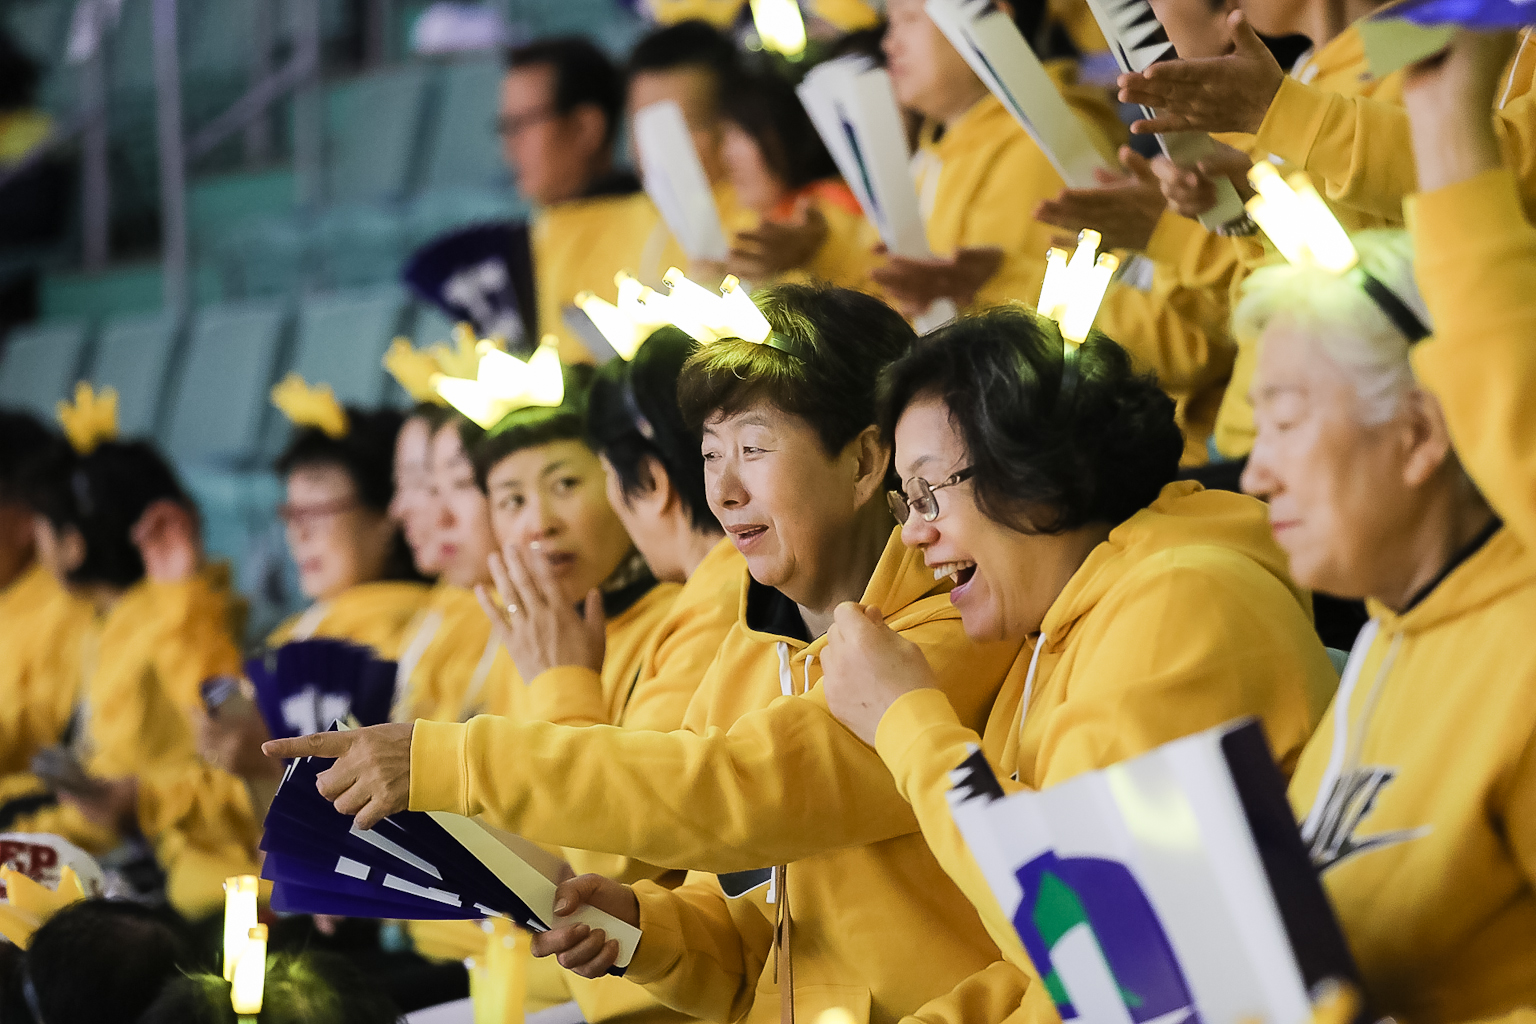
691,308
307,406
1074,287
90,419
504,383
43,859
415,368
1305,231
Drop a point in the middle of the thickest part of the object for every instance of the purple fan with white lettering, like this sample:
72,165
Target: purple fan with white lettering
411,866
304,686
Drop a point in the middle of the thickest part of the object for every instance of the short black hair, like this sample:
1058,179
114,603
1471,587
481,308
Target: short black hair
22,438
313,987
765,106
536,425
687,44
366,452
849,337
633,412
1045,460
102,495
103,961
583,75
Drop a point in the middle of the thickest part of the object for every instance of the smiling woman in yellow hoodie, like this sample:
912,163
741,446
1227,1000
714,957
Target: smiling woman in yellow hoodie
1416,795
1154,609
761,783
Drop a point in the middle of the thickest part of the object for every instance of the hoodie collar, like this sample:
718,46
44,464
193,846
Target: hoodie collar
900,579
1481,574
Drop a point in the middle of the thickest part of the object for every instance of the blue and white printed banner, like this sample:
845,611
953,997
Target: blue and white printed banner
1170,889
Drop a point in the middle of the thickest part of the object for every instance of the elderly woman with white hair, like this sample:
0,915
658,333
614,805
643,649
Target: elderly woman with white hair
1417,793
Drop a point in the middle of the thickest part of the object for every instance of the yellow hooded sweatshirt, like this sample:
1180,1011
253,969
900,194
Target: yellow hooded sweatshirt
1351,131
157,645
1418,794
446,658
760,775
979,180
45,633
675,658
378,615
1184,618
1476,260
579,246
635,616
1356,143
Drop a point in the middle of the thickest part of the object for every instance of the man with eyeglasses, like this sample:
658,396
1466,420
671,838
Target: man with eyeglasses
561,103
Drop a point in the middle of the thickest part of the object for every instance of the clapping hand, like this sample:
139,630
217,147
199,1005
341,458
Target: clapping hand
1124,209
1231,93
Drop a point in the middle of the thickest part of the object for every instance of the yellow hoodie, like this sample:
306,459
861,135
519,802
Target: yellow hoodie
45,633
760,775
636,614
1430,857
378,615
675,657
1331,118
1356,143
157,644
1476,260
1183,619
445,658
579,246
980,178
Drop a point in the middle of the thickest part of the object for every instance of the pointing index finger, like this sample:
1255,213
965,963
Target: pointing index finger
320,744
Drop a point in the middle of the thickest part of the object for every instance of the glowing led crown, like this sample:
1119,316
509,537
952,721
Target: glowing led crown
307,406
780,26
1297,220
90,419
30,904
705,316
463,359
1306,232
414,369
1074,286
503,383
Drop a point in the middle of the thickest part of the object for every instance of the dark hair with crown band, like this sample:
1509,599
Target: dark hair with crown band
844,339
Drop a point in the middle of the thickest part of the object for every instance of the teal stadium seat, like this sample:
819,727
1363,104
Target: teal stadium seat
342,338
221,400
39,365
372,131
464,151
133,355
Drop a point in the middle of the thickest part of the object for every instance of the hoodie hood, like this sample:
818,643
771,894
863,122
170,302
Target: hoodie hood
1184,515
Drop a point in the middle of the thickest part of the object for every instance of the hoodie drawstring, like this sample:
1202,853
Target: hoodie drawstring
1029,682
786,680
1339,756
